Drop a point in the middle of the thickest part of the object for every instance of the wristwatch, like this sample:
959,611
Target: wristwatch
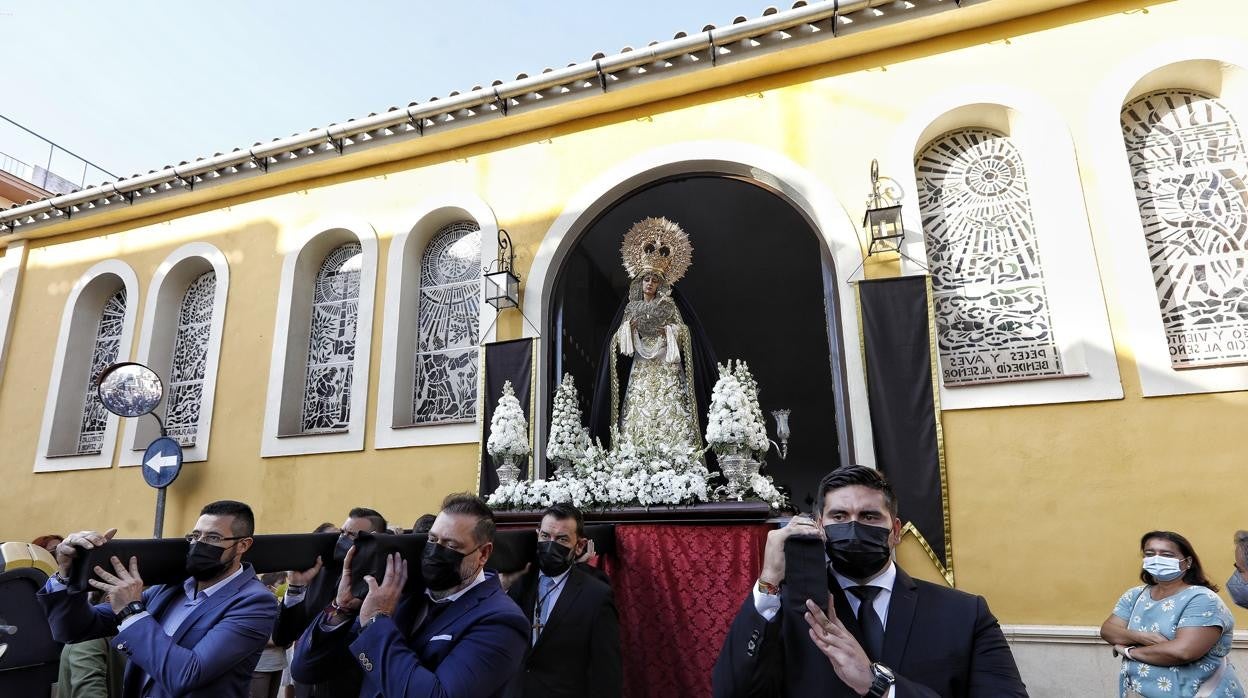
882,680
130,609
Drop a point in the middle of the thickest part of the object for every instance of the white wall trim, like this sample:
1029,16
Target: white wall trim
71,321
1078,635
12,265
164,301
829,218
289,357
402,287
1064,239
1126,251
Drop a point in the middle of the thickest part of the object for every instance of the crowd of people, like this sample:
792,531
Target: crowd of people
853,624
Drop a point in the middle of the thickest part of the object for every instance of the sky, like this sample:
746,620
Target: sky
136,85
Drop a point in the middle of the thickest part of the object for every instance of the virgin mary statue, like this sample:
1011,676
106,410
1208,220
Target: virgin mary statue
656,368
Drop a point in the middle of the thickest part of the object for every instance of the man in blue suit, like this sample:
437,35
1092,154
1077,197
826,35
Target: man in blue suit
202,638
462,637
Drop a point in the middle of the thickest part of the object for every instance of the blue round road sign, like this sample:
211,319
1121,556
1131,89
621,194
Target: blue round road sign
162,461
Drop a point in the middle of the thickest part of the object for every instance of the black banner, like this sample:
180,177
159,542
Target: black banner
898,342
501,362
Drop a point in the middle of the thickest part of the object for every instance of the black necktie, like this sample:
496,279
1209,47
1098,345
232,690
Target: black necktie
869,623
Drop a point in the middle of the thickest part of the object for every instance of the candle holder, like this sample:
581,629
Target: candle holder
782,431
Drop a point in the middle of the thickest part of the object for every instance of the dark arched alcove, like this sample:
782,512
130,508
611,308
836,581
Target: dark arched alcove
759,284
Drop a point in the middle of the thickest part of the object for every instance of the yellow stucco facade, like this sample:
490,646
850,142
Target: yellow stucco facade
1047,501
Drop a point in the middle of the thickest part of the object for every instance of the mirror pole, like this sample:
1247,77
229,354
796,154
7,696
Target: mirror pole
160,423
160,513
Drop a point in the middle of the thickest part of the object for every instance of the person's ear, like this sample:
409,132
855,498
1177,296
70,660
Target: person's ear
894,538
245,544
486,549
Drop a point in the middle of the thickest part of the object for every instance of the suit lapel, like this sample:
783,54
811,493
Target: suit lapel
218,597
900,617
567,597
462,605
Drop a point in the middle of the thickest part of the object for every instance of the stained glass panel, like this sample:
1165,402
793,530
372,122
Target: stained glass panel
103,355
992,313
1190,171
331,341
448,326
190,358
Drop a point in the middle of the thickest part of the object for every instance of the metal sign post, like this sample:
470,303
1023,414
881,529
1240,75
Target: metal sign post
162,462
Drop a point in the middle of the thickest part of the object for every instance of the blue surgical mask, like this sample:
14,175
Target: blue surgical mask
1238,589
1163,569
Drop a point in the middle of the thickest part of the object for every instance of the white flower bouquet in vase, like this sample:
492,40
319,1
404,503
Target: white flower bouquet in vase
737,433
569,439
509,437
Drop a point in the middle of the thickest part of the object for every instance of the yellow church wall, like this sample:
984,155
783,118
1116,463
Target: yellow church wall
1047,501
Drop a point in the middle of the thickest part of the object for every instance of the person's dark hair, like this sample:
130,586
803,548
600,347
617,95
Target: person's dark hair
272,579
244,521
471,505
1195,575
563,511
1241,543
375,519
324,527
849,475
424,523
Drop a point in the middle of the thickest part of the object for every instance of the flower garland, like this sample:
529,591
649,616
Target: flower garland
509,430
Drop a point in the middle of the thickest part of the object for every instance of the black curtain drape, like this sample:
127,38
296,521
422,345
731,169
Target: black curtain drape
898,341
500,362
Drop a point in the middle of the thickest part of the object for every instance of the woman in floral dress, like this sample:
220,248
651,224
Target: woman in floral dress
1173,632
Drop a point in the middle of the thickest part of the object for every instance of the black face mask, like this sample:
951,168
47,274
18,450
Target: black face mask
553,559
203,561
439,566
857,550
341,547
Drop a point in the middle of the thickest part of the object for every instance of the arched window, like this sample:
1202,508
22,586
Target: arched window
1190,173
103,354
331,341
183,323
97,326
190,360
448,326
992,310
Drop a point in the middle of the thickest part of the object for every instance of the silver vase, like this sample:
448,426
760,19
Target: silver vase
733,465
508,473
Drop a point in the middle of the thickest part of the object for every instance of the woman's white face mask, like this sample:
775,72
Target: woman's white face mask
1163,569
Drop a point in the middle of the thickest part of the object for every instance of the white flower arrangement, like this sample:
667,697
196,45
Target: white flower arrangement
568,439
630,474
734,418
509,430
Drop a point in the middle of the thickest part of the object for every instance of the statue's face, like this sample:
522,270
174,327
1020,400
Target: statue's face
650,284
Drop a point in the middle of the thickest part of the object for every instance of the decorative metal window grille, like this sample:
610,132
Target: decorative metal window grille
1189,167
331,344
992,311
103,355
448,326
190,357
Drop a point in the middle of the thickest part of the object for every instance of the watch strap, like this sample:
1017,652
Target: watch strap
880,682
130,609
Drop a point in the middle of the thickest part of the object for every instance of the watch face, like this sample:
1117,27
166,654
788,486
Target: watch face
883,672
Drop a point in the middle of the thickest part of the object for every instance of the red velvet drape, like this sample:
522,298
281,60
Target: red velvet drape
677,588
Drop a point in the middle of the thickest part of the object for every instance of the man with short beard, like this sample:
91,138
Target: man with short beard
311,590
201,638
461,637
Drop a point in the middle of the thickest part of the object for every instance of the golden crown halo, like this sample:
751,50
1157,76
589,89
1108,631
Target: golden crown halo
656,245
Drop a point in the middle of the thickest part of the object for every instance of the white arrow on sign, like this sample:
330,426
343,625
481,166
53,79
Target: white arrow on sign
159,462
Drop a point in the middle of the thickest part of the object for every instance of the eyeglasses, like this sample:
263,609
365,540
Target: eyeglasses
210,538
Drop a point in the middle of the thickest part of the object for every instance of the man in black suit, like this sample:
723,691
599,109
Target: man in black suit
887,635
311,590
574,649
